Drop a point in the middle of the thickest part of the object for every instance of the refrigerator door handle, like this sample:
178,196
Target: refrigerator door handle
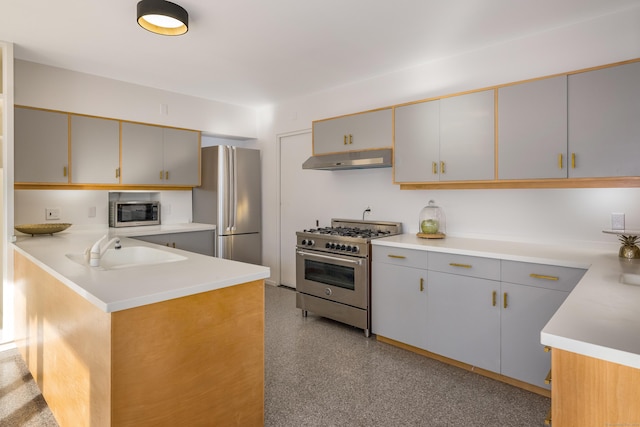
227,185
234,191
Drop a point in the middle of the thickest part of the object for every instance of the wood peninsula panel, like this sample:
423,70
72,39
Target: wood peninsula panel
192,361
592,392
64,340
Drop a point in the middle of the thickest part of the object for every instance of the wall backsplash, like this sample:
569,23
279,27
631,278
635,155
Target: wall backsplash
77,206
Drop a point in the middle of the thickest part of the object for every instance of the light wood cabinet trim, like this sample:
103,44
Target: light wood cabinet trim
520,384
592,392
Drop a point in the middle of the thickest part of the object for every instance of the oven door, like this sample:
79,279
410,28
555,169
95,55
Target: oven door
338,278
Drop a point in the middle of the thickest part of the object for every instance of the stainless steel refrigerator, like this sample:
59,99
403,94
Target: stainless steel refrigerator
231,197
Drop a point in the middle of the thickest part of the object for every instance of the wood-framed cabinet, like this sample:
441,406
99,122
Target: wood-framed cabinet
155,155
361,131
532,129
68,150
448,139
41,148
95,150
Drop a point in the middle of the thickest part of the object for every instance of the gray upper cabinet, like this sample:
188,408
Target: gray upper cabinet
153,155
416,149
95,150
532,129
41,146
604,122
362,131
467,143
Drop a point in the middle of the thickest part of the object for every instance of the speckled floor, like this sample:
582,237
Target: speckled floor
323,373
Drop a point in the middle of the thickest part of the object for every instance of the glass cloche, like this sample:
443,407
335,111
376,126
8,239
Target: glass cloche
432,224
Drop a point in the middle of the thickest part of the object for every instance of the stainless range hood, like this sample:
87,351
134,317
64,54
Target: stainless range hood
350,160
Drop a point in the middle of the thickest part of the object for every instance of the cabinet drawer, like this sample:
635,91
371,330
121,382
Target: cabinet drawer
486,268
398,256
541,275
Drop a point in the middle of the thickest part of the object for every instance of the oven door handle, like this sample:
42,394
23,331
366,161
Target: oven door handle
351,261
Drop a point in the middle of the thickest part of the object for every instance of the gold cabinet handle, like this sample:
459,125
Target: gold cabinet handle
504,298
434,168
345,140
543,277
350,139
117,172
560,161
396,256
455,264
442,167
573,160
547,379
493,298
161,174
421,284
547,420
166,175
547,349
64,171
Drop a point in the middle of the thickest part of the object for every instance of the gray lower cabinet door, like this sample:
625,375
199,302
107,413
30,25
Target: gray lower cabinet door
527,311
604,122
201,242
467,129
399,303
532,129
463,319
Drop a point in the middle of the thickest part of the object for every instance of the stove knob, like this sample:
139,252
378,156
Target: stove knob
355,249
310,243
333,245
327,245
304,242
349,248
343,247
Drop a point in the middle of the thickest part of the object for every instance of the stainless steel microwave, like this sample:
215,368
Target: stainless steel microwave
131,214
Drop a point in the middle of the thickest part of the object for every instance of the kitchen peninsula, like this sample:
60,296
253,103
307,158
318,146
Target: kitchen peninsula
165,344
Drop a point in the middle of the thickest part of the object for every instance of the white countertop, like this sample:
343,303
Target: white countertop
600,318
149,230
114,290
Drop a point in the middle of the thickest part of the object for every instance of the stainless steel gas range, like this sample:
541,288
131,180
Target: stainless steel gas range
333,269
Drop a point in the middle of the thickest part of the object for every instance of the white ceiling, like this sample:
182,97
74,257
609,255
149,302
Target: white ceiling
260,52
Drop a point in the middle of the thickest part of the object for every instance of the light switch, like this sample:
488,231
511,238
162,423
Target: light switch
52,213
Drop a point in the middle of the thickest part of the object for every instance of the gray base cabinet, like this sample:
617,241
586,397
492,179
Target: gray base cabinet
201,242
484,312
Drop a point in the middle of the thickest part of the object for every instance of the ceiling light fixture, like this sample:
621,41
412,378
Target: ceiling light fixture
163,17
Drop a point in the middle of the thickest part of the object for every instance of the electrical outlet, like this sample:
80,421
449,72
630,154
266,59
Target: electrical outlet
92,212
52,213
617,221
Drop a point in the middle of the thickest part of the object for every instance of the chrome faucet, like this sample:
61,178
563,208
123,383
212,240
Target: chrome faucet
98,249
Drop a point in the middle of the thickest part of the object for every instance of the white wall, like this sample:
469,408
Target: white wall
559,215
42,86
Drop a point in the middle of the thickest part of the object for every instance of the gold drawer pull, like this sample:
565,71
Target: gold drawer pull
542,276
442,167
161,175
504,302
350,139
573,160
117,172
547,380
345,140
493,298
547,349
64,171
455,264
434,168
166,175
396,256
560,161
547,421
421,284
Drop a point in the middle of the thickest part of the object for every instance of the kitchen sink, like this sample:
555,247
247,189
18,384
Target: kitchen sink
630,279
129,257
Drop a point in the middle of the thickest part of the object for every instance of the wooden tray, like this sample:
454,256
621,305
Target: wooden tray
34,229
431,236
